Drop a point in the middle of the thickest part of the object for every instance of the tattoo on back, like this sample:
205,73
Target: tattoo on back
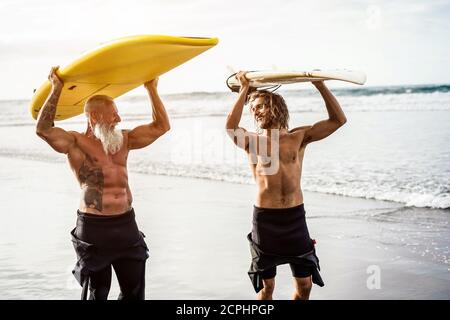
91,178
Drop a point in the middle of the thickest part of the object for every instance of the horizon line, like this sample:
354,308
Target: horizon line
358,87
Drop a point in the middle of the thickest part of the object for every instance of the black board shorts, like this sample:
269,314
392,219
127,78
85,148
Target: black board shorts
281,236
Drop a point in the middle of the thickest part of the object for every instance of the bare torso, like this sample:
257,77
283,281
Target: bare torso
279,188
283,188
103,178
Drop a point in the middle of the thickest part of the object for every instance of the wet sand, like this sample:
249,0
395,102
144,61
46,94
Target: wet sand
196,230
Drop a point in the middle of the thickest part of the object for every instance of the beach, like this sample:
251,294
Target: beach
376,185
196,231
376,195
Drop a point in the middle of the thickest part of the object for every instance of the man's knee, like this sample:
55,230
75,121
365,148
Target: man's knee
267,292
303,285
269,285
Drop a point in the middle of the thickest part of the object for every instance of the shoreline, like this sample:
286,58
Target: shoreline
63,161
197,240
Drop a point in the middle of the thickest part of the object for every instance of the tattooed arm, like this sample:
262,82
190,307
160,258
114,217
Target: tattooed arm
57,138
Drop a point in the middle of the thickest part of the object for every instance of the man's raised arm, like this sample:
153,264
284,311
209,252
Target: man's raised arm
144,135
336,117
237,134
59,139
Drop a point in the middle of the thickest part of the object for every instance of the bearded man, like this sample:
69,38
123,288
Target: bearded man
106,233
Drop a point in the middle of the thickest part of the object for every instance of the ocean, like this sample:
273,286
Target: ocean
395,145
394,150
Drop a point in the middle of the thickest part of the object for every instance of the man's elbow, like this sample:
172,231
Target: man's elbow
230,124
340,121
165,128
40,132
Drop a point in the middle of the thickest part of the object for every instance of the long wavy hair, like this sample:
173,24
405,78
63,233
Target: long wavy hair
279,114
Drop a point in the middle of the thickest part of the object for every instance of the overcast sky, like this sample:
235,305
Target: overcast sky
394,42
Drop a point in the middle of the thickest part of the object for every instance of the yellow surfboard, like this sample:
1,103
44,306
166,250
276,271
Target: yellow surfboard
117,67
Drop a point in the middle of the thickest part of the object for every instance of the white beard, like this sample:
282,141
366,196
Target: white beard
111,139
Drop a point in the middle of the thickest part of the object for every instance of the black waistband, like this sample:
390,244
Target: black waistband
117,218
274,210
277,213
281,230
108,231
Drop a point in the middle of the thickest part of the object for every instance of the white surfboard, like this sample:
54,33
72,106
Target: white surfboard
259,79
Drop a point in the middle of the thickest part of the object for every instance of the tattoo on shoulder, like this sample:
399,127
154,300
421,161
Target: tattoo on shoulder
92,180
